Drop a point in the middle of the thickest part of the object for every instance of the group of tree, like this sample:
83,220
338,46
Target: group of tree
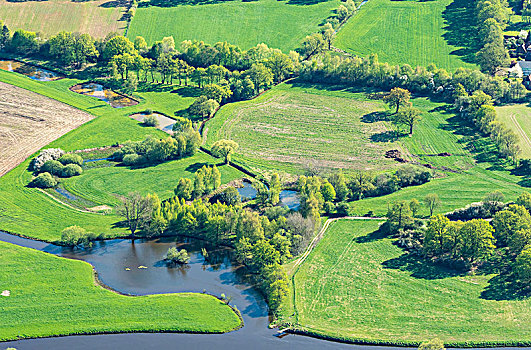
206,180
478,109
183,143
52,164
409,116
492,17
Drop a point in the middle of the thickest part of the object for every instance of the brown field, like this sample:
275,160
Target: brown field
97,18
29,121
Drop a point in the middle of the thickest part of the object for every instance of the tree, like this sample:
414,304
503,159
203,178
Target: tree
224,148
477,241
280,65
43,180
118,45
313,45
329,34
432,202
216,92
274,189
340,185
175,256
524,199
523,265
409,117
399,215
184,189
434,344
4,35
328,192
261,76
492,56
136,210
398,97
75,236
361,183
414,206
204,107
140,44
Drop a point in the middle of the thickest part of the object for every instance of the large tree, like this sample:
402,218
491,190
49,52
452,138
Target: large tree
224,148
409,117
398,97
136,210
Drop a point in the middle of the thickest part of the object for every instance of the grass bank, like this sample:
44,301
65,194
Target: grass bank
357,286
53,296
412,32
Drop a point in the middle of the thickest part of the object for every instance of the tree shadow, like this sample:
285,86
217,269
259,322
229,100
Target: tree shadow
420,267
505,286
305,2
380,233
187,91
174,3
115,3
374,117
459,19
192,168
385,136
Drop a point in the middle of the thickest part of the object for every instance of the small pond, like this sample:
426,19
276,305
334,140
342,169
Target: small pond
165,123
33,72
113,98
288,198
247,192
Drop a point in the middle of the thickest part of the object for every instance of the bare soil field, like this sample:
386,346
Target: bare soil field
29,121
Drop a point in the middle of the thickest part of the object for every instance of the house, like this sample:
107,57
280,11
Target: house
525,67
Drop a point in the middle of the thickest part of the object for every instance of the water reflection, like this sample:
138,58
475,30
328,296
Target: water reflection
33,72
113,98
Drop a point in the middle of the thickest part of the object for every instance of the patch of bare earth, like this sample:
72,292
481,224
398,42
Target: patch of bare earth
29,121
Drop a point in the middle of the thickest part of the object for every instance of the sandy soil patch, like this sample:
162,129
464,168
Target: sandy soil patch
29,121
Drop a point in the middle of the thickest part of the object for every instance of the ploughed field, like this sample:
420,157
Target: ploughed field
279,24
97,18
357,285
412,32
29,121
293,126
51,296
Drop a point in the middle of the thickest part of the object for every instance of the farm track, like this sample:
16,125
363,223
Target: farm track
521,131
29,122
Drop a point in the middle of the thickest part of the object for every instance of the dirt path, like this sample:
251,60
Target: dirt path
29,121
521,131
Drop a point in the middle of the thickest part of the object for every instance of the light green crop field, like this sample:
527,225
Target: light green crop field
279,24
96,17
356,285
518,118
294,125
29,212
411,32
53,296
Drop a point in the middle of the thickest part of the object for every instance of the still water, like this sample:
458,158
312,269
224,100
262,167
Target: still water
109,96
33,72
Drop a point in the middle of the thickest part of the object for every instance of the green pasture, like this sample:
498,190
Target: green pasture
356,285
412,32
53,296
518,118
279,24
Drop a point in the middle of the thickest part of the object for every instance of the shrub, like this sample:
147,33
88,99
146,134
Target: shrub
70,170
229,196
328,207
53,167
175,256
151,120
71,158
479,210
343,209
43,180
412,176
45,155
74,236
132,159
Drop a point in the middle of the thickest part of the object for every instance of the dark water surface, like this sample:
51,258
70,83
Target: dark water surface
32,72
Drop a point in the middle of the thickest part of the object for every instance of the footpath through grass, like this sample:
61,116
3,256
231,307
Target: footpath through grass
29,212
411,32
358,286
279,24
50,17
53,296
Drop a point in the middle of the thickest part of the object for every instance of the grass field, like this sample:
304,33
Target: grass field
27,211
411,32
518,118
356,285
55,296
292,126
97,18
102,185
279,24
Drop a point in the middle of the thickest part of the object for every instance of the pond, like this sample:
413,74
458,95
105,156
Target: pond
288,198
117,263
109,96
165,123
33,72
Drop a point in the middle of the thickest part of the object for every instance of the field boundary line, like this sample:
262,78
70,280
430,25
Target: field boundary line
521,131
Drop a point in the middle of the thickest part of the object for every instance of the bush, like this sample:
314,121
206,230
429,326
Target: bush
132,159
75,236
229,196
44,156
412,176
328,207
71,158
151,120
43,180
479,210
174,256
343,209
53,167
70,170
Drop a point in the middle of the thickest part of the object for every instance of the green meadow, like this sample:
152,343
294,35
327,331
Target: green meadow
53,296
